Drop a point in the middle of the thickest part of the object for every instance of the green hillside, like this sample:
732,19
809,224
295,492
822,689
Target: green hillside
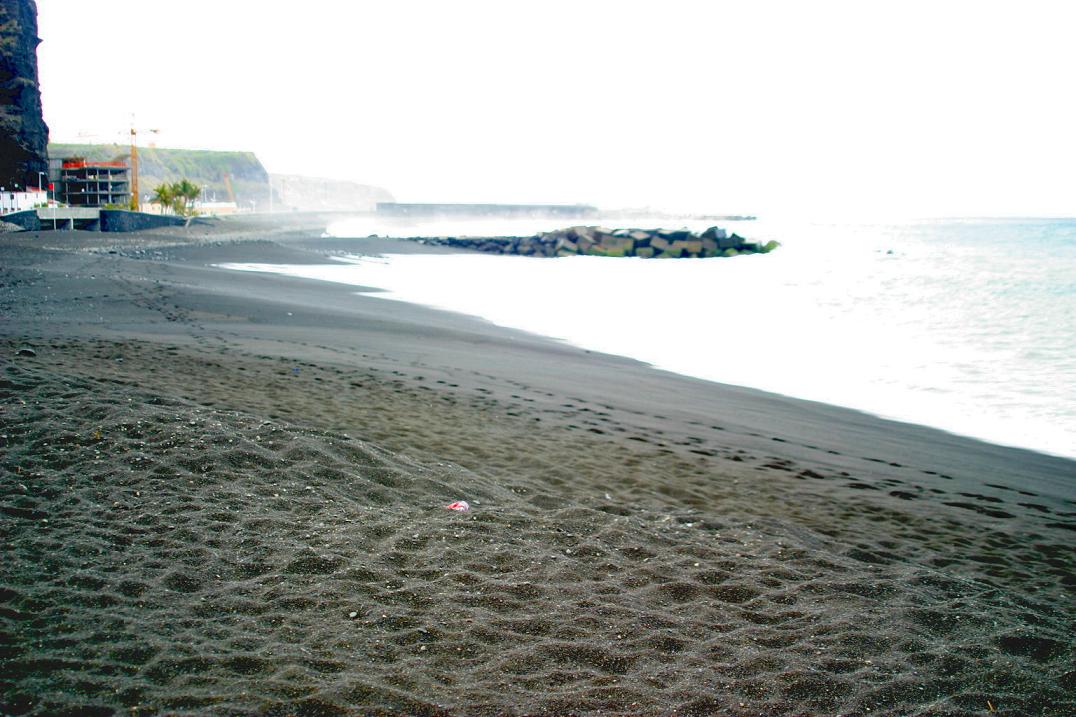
206,168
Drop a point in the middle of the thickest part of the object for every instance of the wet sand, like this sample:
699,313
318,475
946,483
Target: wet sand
224,493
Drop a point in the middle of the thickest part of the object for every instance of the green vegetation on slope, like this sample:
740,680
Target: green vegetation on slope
207,168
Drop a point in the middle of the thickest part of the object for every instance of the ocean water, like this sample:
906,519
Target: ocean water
965,325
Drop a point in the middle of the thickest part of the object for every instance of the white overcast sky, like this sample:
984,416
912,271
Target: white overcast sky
863,108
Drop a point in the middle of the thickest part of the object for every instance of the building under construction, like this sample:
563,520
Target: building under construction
83,183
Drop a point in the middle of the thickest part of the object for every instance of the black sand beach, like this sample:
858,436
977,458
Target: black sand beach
223,493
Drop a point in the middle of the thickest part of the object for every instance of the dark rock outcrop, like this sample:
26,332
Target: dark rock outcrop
23,132
598,241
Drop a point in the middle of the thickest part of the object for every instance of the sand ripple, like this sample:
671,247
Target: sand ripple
167,557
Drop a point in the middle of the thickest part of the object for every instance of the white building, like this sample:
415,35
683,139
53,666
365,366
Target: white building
216,208
21,201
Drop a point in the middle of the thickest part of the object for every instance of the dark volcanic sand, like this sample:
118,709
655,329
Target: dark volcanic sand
224,493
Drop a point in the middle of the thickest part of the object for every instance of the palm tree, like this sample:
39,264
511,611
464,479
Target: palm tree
164,195
186,191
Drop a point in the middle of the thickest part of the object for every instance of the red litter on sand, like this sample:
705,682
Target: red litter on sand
461,506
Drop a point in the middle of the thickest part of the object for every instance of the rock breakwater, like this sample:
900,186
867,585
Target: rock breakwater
598,241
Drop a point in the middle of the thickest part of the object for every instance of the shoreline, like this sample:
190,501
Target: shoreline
248,473
1001,430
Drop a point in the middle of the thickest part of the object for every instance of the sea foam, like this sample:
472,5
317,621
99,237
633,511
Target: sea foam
967,326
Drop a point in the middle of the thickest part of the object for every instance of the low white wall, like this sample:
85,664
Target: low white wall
21,201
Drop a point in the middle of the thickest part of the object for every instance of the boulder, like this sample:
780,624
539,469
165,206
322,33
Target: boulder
581,233
728,242
600,235
646,252
639,235
659,243
564,244
688,247
713,233
709,246
617,246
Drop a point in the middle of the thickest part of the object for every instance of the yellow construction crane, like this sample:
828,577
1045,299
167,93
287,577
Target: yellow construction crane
136,202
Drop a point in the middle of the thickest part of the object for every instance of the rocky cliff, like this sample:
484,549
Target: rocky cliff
23,132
